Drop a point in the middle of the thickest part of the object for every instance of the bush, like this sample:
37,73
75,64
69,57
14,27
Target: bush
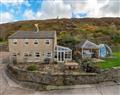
1,39
32,67
116,38
88,66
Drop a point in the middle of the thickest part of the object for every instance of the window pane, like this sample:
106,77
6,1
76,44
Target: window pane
26,42
14,54
47,41
37,54
55,54
36,41
25,54
15,41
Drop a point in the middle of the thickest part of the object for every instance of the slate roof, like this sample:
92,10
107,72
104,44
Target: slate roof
87,45
33,35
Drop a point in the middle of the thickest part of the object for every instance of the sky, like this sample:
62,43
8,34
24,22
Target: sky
17,10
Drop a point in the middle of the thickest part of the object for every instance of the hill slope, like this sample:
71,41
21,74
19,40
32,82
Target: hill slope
71,31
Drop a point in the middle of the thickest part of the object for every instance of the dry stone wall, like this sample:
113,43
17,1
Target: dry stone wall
40,80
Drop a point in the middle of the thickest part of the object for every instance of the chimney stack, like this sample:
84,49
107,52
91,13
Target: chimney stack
36,25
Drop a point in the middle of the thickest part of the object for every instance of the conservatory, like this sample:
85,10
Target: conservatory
63,54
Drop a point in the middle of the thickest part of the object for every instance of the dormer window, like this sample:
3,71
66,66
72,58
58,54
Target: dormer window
36,41
26,41
47,41
14,41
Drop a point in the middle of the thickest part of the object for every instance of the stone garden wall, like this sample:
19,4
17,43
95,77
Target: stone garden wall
40,80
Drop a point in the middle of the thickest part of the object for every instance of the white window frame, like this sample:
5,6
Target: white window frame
14,41
47,40
26,41
26,54
36,40
36,54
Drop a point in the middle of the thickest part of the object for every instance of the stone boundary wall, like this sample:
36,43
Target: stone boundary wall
40,80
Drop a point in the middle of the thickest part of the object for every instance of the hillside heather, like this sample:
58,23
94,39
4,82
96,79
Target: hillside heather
71,31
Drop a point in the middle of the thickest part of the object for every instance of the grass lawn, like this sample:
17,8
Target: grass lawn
110,62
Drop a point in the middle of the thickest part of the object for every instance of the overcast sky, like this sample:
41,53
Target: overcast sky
16,10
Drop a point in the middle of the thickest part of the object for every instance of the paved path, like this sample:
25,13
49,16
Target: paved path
8,87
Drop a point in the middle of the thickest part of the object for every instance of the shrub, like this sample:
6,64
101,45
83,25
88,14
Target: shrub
116,38
14,61
1,39
89,67
32,67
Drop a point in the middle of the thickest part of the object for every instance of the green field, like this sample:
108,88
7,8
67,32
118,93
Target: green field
110,62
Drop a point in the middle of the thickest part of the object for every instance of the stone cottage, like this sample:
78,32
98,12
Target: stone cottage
37,46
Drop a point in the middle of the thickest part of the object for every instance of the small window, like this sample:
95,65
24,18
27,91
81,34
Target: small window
49,55
26,54
30,54
14,41
14,54
37,54
36,42
26,41
47,41
18,53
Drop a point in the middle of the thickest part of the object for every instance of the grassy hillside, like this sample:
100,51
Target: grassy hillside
71,31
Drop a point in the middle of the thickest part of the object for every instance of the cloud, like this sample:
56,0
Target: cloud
111,9
6,17
29,14
54,8
96,8
79,8
14,2
50,9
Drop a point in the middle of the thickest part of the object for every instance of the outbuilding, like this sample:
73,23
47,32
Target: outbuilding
87,49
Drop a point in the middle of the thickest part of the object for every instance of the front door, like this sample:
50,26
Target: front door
60,56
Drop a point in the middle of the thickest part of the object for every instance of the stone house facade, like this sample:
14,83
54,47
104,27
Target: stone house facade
36,46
